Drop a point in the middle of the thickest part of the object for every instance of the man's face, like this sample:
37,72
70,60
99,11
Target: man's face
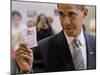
30,24
42,19
71,19
16,20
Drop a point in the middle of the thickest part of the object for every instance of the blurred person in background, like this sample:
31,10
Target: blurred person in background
50,20
17,28
43,27
92,24
92,27
30,25
16,36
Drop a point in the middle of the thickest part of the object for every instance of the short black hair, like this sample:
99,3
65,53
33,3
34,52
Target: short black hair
16,13
81,7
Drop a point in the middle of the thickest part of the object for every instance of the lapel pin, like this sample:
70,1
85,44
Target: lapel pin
91,52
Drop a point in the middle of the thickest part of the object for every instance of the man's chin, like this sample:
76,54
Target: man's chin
71,34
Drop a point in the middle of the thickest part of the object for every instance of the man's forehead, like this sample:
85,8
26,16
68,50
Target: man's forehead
66,6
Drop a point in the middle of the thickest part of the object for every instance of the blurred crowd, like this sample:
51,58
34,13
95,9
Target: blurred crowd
42,23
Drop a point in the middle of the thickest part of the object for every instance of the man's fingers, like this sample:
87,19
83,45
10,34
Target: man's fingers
24,66
27,58
19,62
21,52
23,45
24,49
29,50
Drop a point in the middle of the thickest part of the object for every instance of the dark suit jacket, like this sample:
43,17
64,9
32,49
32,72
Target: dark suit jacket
56,55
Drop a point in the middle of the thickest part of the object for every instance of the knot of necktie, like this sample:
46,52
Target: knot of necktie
76,43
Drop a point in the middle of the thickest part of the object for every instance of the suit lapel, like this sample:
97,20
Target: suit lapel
63,51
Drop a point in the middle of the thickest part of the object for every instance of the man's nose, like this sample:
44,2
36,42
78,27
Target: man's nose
67,20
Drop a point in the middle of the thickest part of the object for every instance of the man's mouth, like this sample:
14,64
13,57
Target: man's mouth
68,28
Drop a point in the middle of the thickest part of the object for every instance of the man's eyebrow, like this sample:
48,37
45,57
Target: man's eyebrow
72,12
60,12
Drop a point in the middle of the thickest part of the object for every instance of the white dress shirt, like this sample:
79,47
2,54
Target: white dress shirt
81,38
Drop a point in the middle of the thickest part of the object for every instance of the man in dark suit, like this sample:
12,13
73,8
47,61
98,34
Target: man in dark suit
72,48
57,56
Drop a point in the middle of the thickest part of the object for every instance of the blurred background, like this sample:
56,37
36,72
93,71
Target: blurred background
31,10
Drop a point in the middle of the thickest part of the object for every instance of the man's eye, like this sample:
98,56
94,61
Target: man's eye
71,14
61,14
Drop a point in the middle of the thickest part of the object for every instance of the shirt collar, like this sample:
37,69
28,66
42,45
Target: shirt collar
80,37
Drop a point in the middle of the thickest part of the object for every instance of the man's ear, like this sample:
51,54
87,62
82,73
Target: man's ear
85,12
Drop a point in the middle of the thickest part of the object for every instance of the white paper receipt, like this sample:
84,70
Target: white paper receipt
30,37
